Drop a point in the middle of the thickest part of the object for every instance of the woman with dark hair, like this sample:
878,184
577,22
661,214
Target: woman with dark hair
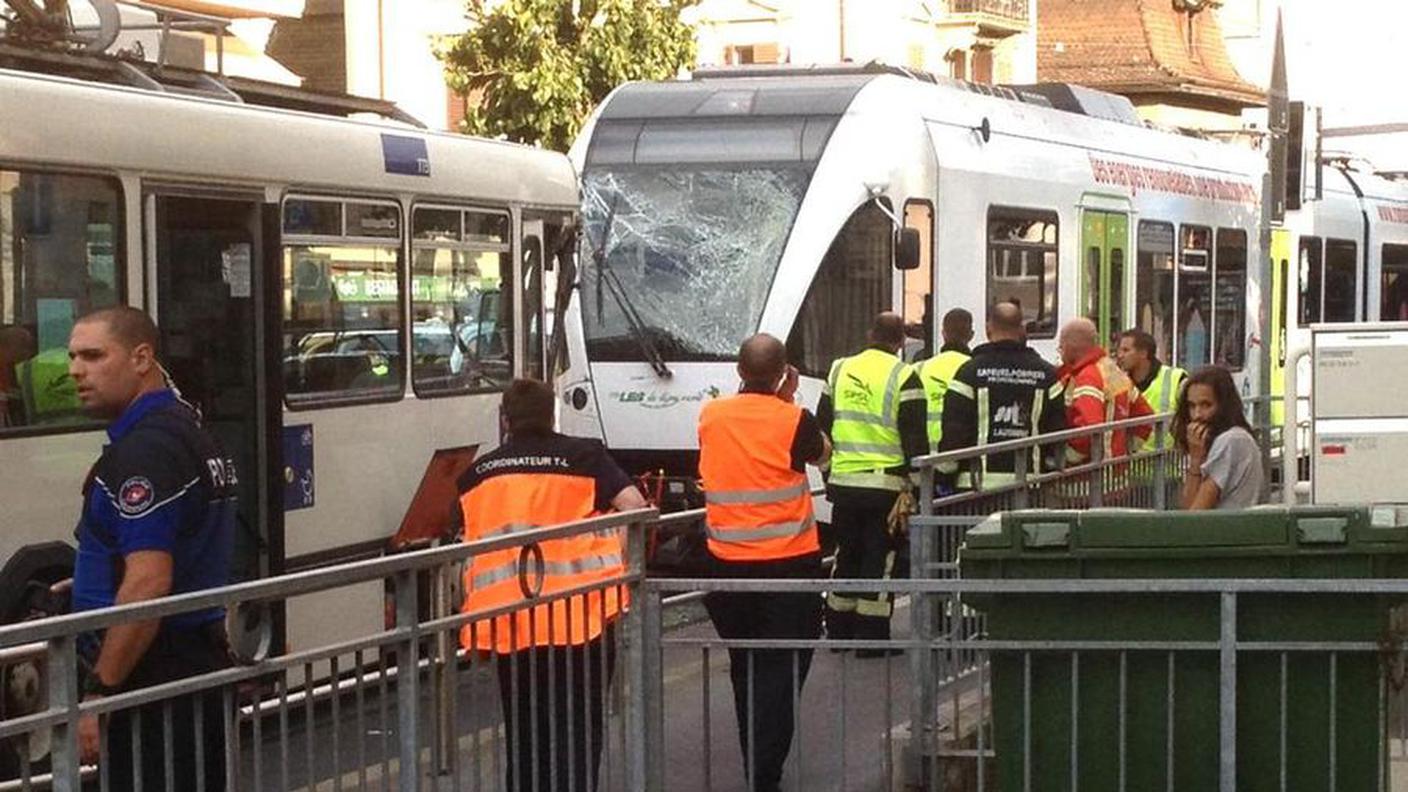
1224,460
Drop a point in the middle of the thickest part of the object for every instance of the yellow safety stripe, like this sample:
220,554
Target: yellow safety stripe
961,388
757,496
913,394
1087,390
862,417
870,479
1054,392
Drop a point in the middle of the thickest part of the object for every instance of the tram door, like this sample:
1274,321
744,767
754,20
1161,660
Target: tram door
1104,240
207,261
535,301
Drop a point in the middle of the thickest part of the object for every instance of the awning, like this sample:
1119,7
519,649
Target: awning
233,9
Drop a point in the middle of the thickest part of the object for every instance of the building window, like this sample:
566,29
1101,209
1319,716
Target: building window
739,54
341,301
983,65
852,285
1022,265
957,64
1393,293
1229,319
1153,284
1194,320
61,258
461,301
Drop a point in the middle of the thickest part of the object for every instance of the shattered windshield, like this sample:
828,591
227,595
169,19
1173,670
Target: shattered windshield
695,252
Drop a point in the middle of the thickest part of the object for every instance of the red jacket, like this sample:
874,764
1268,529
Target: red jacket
1097,392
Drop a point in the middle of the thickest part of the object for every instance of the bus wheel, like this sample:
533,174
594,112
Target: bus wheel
24,594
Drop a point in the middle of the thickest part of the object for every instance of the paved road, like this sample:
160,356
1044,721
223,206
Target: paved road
844,741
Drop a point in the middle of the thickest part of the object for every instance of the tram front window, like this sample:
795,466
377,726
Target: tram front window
692,253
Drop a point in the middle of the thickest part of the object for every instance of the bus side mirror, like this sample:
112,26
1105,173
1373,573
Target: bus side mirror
907,249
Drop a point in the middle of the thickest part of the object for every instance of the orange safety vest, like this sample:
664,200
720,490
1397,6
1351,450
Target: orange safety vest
757,508
514,502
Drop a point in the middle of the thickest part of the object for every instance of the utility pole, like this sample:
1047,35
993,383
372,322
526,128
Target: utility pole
1273,210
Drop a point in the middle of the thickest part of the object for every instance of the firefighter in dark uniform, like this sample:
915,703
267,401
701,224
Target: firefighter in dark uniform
1006,391
158,518
754,449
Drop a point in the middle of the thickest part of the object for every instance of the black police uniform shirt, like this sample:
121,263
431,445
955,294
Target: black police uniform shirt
163,483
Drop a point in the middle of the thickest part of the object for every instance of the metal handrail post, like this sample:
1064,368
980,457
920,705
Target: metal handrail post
1097,474
445,658
1227,695
644,709
1161,431
408,681
63,695
1019,471
923,699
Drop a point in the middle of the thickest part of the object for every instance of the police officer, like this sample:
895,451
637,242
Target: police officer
554,662
937,372
873,409
753,451
158,518
1159,383
1005,392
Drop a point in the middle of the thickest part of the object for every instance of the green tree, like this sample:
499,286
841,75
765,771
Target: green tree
534,69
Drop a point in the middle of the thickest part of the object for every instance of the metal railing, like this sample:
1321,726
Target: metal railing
405,708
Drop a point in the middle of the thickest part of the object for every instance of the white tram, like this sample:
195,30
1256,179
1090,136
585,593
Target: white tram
744,201
343,299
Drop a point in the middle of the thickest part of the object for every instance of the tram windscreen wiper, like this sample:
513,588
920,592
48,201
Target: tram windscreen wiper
606,276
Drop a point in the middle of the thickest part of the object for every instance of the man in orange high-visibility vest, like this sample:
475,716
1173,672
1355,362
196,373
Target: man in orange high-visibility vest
554,661
753,451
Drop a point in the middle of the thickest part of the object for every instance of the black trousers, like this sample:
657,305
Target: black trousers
554,703
765,681
864,549
174,654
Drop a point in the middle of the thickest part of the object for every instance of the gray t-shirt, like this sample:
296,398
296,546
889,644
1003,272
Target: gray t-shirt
1234,465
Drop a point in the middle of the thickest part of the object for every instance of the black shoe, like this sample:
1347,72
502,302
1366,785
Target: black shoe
871,654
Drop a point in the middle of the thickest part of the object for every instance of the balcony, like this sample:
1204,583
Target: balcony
999,17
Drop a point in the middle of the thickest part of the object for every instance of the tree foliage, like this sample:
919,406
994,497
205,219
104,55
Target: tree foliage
534,69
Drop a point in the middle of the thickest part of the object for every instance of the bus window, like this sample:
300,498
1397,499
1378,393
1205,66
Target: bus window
1311,278
341,301
461,301
852,285
1153,284
61,258
1393,292
1194,320
1022,254
1341,279
1229,318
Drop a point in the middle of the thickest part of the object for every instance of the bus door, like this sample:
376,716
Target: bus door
207,259
1104,240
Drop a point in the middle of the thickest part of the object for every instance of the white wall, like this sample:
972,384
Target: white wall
391,55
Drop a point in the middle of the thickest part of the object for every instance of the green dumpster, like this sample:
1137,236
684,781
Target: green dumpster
1162,706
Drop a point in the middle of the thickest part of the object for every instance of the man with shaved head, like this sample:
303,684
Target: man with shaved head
1097,392
753,451
875,410
1005,392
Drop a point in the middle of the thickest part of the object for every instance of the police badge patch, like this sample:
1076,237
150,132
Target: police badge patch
135,495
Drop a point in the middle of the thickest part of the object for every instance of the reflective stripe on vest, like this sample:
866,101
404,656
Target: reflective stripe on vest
757,507
936,375
994,478
865,390
1163,396
516,502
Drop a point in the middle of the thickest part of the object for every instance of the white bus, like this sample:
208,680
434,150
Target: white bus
343,300
745,200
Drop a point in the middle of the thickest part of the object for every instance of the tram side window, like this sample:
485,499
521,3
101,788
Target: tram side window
1194,320
1341,280
852,285
60,258
1311,278
461,301
1229,319
1393,291
341,301
1022,265
1153,284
